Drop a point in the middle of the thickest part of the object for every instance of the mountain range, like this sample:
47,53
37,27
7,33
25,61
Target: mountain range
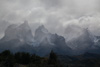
20,38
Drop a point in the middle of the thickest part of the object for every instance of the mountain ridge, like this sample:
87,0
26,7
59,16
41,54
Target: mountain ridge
20,38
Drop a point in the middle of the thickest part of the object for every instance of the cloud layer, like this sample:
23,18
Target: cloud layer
56,15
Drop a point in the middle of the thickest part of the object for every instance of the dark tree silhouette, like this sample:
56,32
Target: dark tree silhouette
23,58
6,53
35,59
7,58
52,58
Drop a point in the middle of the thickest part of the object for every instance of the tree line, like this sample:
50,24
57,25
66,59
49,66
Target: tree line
8,59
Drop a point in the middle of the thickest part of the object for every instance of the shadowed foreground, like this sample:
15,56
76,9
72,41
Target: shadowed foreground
22,59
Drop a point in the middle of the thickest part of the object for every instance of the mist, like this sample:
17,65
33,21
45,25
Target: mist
55,15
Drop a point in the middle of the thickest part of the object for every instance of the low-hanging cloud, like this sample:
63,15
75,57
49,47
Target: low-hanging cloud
56,15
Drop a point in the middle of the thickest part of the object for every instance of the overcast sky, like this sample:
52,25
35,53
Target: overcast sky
56,15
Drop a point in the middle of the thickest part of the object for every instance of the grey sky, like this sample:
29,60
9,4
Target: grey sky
56,15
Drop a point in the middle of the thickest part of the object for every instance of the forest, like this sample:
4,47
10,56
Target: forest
23,59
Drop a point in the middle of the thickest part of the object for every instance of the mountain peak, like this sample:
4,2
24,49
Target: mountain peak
24,26
25,22
41,29
21,32
42,26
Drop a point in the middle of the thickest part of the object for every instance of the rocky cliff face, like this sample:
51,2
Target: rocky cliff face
50,42
76,41
20,38
79,39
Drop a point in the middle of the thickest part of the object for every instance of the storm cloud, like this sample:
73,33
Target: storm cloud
56,15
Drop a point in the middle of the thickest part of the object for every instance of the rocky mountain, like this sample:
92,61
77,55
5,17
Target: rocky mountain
50,42
21,32
20,38
41,34
97,40
79,40
96,46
